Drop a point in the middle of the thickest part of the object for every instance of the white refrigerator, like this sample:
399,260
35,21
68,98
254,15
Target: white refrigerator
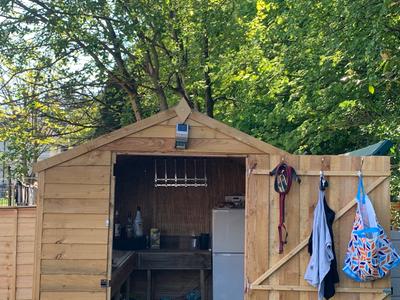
228,254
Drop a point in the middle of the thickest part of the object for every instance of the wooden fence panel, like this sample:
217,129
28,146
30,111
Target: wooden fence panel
17,252
396,272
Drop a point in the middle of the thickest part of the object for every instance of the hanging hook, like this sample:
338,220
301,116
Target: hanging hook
361,165
323,182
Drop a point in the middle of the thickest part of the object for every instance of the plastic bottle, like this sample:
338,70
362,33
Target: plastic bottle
138,223
117,226
129,227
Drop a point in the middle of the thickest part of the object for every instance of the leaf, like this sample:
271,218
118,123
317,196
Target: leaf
371,89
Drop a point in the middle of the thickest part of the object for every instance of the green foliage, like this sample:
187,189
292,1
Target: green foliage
310,76
317,77
3,202
395,217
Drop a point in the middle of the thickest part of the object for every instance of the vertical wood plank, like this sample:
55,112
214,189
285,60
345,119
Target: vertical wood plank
380,199
289,275
348,188
335,194
14,263
38,236
368,165
308,200
113,159
257,223
274,255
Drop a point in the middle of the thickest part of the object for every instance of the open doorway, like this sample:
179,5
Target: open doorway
163,226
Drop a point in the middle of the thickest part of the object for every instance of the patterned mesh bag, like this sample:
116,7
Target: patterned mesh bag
370,254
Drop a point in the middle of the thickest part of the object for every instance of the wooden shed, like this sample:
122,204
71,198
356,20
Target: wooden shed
80,190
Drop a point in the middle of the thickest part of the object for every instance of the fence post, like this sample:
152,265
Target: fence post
9,186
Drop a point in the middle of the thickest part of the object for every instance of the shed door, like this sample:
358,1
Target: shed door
271,275
75,222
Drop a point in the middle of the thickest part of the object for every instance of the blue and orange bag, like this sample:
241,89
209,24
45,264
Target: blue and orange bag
370,254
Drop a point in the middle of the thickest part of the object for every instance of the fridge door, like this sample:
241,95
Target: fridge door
228,231
228,276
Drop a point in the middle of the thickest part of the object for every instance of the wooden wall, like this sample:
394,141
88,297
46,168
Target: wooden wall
73,228
161,139
285,272
177,211
17,233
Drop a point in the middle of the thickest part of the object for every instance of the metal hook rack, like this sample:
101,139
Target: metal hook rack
177,181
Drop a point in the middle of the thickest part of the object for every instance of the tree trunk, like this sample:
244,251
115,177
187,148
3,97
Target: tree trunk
209,101
152,67
134,99
161,96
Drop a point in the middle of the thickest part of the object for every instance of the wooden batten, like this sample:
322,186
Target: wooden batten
169,131
167,145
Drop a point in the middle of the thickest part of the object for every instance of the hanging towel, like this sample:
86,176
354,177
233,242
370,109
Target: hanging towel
332,277
322,254
370,254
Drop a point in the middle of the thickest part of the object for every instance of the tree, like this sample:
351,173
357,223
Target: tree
33,120
160,50
307,76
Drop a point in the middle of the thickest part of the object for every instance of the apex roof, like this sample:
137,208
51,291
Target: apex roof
182,111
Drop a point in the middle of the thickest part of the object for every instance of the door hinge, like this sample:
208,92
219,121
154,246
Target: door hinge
105,283
388,291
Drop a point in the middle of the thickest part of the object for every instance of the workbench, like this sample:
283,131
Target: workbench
125,262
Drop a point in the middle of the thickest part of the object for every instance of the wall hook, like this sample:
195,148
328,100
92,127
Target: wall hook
361,165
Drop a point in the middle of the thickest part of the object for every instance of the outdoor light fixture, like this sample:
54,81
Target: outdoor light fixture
182,136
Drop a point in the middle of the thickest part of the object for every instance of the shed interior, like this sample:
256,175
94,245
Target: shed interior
177,270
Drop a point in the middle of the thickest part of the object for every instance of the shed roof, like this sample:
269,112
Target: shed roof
380,148
182,111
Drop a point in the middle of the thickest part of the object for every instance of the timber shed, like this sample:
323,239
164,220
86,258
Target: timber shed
177,190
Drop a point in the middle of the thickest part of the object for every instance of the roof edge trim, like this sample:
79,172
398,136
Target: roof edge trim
104,139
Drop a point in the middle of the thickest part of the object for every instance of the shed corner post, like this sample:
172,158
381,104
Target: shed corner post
111,221
256,220
38,237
